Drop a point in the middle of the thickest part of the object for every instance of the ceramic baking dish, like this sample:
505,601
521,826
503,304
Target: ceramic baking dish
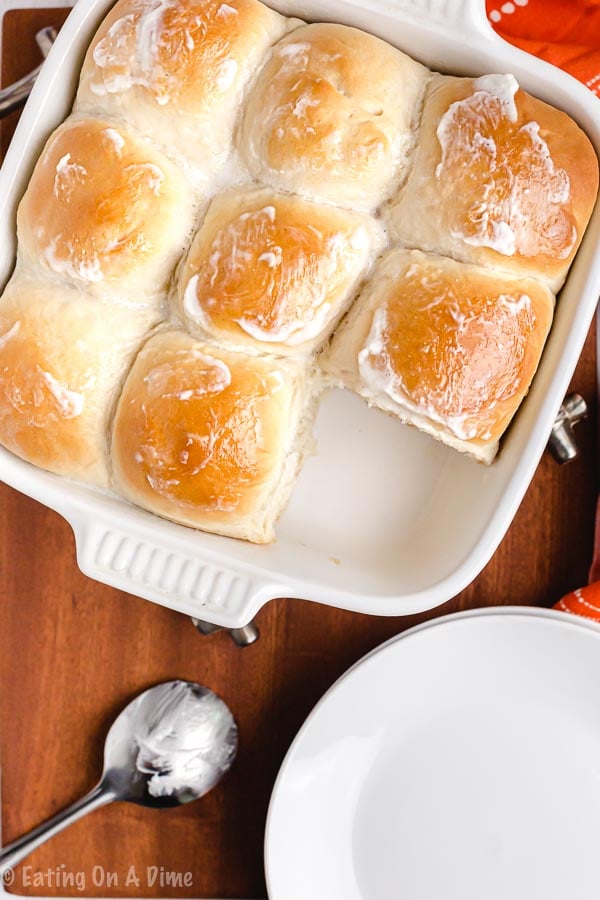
383,519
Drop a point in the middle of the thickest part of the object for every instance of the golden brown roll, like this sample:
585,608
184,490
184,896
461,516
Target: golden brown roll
270,272
500,179
207,437
177,69
446,346
62,357
105,210
333,116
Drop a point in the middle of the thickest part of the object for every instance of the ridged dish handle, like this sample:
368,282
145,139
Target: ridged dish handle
197,587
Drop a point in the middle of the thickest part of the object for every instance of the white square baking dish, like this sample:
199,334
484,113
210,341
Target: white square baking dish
383,519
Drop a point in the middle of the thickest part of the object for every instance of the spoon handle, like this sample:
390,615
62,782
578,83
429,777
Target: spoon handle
14,852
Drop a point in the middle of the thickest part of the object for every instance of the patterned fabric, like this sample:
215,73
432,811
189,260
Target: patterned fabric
583,602
563,32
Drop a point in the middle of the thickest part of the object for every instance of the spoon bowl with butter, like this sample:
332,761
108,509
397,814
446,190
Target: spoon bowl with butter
171,745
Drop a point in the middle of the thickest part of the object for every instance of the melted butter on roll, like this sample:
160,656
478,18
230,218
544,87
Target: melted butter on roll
519,201
62,358
333,115
272,272
106,210
177,69
449,347
208,438
500,179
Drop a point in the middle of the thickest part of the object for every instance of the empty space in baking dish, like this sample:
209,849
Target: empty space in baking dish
392,502
382,519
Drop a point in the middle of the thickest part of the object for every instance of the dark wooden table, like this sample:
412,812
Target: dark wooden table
73,652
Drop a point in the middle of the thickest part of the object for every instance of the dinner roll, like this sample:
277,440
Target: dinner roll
446,346
270,272
106,210
177,69
333,115
207,437
500,179
62,357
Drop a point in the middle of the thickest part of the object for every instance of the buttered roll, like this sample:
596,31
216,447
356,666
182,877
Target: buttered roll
333,116
210,438
62,359
500,179
270,272
446,346
105,210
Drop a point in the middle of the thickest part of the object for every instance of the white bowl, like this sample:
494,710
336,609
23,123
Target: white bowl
383,519
436,769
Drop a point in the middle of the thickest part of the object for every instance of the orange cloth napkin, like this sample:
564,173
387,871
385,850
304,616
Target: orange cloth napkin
567,34
563,32
585,601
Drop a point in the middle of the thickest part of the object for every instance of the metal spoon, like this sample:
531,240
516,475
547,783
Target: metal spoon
171,745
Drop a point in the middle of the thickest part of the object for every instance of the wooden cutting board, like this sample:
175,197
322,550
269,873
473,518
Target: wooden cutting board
73,652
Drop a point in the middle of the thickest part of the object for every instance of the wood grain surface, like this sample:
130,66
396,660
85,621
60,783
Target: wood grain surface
73,652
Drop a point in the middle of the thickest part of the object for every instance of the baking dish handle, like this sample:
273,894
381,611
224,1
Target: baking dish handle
199,587
468,14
